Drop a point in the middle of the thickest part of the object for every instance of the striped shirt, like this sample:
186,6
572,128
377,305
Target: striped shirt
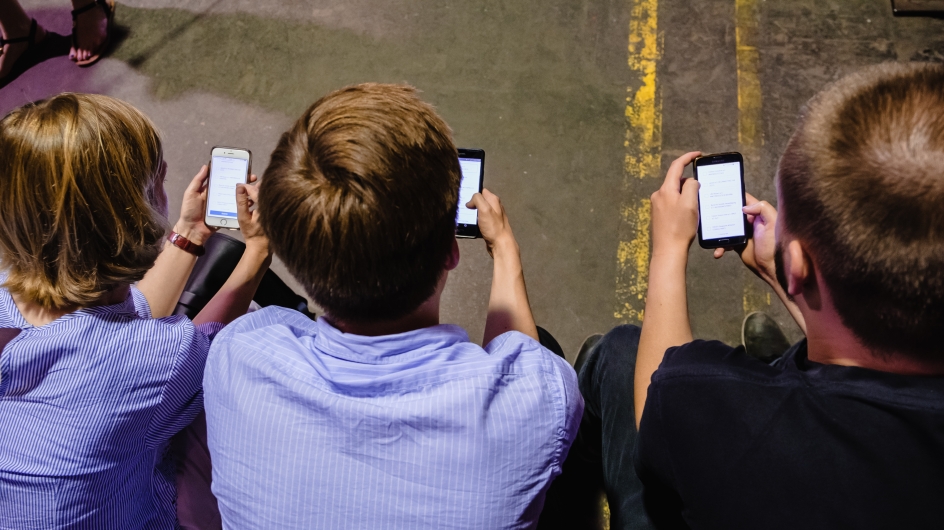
87,406
309,427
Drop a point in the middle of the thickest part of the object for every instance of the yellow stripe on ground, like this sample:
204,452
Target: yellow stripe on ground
643,144
750,125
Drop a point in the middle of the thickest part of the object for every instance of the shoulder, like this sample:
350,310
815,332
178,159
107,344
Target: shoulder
524,351
266,331
268,319
707,359
527,356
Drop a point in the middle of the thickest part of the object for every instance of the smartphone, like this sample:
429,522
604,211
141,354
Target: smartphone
229,166
721,222
472,163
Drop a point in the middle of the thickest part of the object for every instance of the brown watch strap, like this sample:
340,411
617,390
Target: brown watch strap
185,244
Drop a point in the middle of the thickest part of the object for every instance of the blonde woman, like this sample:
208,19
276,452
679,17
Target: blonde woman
95,377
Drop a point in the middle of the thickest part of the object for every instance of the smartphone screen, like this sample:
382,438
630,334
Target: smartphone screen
472,164
720,199
228,167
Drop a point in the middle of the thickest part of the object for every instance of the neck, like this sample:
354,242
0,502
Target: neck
829,341
37,315
424,316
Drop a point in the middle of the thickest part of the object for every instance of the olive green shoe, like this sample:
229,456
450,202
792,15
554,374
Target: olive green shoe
762,337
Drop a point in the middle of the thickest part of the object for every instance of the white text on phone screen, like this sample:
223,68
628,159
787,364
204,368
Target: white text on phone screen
721,199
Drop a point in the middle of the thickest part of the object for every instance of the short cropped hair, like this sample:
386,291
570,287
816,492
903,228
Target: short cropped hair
862,185
77,212
359,201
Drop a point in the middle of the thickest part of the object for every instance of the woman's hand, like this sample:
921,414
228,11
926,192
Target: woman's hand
193,208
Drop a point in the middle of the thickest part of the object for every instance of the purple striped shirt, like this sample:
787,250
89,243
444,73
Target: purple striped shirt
87,406
310,427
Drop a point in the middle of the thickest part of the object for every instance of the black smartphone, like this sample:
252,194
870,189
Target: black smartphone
721,222
472,164
229,166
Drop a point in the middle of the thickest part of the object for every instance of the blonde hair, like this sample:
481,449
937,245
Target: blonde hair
78,215
862,185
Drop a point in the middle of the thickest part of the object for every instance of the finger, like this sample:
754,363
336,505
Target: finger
718,253
673,177
242,203
197,181
253,192
763,209
493,200
750,199
477,202
690,191
253,178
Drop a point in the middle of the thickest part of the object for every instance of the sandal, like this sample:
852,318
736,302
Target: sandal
26,60
108,6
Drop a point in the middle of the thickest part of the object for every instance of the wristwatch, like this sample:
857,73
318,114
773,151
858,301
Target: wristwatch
185,244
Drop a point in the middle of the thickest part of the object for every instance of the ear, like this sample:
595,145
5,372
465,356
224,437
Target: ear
798,268
452,260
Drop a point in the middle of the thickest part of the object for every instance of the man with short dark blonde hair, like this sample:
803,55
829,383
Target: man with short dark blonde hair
377,416
846,429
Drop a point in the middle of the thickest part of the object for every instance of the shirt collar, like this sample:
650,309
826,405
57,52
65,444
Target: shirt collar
383,349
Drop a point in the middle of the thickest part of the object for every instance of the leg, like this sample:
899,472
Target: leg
89,32
196,505
15,24
601,457
608,377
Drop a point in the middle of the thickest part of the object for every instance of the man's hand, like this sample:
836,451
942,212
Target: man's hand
508,306
246,197
675,210
193,208
758,253
493,222
666,324
233,299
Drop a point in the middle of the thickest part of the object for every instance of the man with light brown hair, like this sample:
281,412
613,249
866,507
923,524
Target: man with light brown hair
376,415
846,429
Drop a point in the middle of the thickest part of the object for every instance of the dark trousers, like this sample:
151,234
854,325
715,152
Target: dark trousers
601,458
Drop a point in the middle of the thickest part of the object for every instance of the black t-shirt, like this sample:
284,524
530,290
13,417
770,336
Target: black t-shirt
727,441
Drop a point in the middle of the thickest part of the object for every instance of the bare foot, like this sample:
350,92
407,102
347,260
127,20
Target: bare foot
12,52
90,31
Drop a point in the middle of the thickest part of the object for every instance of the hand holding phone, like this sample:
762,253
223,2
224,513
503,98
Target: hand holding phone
472,164
758,253
229,166
493,222
721,220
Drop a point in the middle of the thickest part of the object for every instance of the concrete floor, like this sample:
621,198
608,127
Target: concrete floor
543,86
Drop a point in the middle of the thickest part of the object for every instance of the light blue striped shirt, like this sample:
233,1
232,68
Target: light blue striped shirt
87,405
309,427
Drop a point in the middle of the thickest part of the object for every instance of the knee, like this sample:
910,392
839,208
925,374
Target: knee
622,340
615,351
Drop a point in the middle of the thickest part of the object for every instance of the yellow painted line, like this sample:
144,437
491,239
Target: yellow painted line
643,143
750,132
750,116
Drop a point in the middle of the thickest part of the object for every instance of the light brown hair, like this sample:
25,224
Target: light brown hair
862,186
78,215
359,201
